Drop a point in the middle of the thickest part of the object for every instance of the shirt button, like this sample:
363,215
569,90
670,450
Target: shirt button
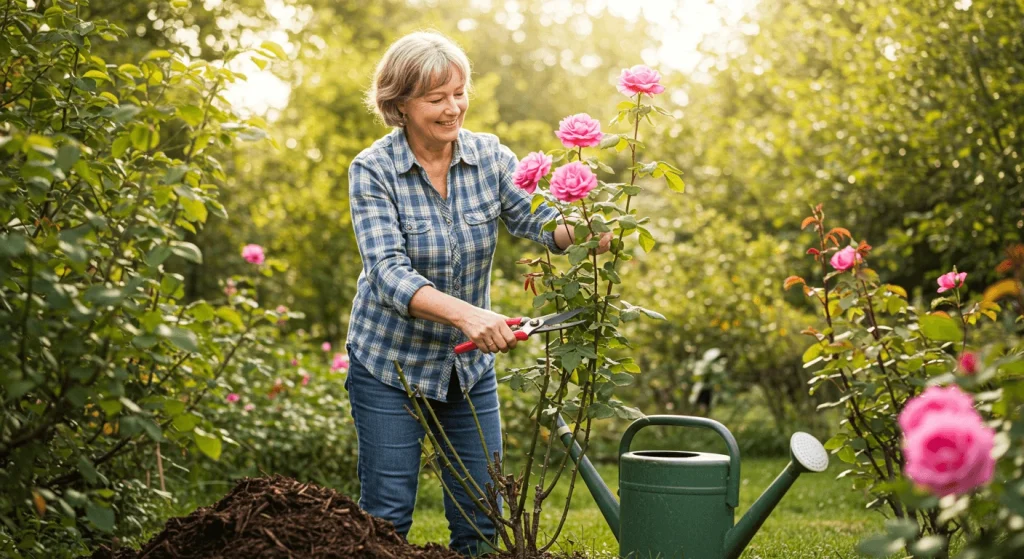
448,220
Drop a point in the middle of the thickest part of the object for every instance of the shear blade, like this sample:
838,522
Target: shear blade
557,321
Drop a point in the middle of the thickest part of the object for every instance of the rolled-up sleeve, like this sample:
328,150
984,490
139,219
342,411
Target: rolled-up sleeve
515,206
386,264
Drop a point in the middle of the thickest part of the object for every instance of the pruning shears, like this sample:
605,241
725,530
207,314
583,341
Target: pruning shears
523,326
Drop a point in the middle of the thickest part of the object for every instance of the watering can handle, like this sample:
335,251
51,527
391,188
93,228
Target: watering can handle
733,487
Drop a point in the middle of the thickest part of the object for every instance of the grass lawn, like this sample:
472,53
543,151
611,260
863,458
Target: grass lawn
819,517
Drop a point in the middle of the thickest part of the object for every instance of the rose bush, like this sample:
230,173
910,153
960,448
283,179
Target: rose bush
927,423
582,367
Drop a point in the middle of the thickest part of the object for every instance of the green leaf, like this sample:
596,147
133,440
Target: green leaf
188,251
191,114
538,199
184,339
608,141
195,210
835,442
156,55
121,145
577,254
847,454
940,328
97,75
674,182
231,315
647,241
102,295
102,517
274,48
185,422
67,156
208,444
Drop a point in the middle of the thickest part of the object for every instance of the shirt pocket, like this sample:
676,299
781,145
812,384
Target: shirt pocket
482,232
421,244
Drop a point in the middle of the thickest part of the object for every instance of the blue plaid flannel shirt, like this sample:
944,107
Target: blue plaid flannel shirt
410,237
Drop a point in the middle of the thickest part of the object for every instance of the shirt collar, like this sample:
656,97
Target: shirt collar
404,158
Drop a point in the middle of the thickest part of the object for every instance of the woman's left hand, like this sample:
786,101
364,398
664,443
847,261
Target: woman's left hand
604,244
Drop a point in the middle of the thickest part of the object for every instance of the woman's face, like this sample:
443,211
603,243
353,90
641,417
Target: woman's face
436,116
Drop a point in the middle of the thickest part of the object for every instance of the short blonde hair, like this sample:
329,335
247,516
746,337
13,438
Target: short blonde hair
411,66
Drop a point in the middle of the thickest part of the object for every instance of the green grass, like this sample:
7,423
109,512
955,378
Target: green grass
819,517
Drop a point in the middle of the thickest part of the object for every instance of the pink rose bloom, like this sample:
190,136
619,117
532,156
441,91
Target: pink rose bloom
232,398
305,380
326,346
579,130
950,453
933,400
230,288
295,362
845,259
572,182
250,407
253,254
640,79
340,362
281,309
969,363
952,280
530,170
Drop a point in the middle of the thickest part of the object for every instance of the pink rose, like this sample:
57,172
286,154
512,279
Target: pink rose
640,79
230,288
845,259
340,362
232,398
572,182
281,309
295,362
952,280
326,346
305,380
950,453
933,400
579,130
969,363
530,170
253,254
250,407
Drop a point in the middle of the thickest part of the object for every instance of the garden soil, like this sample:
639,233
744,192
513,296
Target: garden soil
280,518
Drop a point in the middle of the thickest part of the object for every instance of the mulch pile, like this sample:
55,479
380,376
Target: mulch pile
277,518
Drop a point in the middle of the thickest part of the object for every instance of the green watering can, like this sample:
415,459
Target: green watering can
678,504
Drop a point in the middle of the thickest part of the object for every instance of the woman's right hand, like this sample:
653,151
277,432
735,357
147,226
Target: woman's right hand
487,330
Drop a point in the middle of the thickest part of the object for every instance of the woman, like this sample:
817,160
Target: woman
425,202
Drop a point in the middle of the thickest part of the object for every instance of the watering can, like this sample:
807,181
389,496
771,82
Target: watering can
681,504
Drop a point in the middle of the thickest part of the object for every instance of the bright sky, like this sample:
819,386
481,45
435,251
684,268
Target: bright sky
681,25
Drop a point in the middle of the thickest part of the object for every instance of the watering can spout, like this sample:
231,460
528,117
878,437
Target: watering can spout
807,455
606,501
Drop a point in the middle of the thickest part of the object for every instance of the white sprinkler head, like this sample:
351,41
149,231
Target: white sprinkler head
809,452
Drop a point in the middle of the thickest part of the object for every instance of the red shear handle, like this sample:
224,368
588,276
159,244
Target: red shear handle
466,347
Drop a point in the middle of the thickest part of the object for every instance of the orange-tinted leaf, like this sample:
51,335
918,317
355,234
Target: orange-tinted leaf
40,503
841,232
813,251
1000,289
940,313
793,280
808,221
810,332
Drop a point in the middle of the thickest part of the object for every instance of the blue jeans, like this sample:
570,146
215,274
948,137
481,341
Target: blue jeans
389,451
